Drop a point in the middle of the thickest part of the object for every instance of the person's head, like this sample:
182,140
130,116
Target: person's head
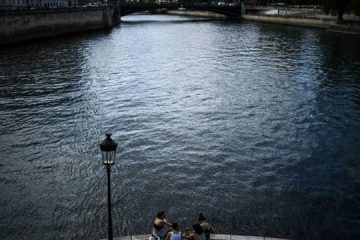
201,218
161,215
198,229
175,226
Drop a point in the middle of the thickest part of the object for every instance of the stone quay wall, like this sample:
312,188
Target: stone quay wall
305,22
18,26
327,24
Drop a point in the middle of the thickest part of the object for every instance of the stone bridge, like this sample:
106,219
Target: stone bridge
230,10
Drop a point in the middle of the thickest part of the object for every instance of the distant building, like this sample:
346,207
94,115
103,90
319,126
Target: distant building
38,3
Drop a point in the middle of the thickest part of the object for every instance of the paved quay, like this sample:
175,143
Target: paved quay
213,237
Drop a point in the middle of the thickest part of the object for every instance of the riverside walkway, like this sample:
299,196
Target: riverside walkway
213,237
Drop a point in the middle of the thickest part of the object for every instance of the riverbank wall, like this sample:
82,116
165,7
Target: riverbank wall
326,24
304,22
19,26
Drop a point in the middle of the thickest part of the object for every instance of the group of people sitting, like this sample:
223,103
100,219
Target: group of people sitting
163,230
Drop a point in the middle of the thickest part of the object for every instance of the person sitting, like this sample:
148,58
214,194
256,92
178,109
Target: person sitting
207,228
175,234
161,226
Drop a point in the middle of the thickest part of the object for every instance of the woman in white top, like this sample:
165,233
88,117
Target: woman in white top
175,234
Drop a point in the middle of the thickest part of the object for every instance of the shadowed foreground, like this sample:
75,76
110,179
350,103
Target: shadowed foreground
213,237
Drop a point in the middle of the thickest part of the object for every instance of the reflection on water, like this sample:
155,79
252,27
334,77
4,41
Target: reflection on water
256,126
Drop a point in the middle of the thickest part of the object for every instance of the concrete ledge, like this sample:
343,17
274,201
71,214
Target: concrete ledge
213,237
140,237
237,237
220,237
125,238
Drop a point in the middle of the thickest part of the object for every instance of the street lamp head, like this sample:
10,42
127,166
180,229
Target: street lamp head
108,150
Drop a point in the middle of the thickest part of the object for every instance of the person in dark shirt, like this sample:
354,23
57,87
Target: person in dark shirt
161,226
207,228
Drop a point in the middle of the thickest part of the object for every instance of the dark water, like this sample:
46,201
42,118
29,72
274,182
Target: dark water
257,126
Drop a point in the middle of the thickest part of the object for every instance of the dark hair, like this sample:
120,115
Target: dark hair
175,226
160,214
198,229
201,217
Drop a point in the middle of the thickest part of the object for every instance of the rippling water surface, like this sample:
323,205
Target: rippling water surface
257,126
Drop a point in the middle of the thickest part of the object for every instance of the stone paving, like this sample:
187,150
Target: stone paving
212,237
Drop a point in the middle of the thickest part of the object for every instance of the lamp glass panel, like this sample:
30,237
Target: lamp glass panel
108,157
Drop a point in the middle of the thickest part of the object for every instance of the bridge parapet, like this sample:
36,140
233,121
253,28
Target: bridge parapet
230,10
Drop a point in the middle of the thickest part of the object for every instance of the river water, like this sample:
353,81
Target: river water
256,126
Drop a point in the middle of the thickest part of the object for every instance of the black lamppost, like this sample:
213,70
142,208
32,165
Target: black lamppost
108,152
